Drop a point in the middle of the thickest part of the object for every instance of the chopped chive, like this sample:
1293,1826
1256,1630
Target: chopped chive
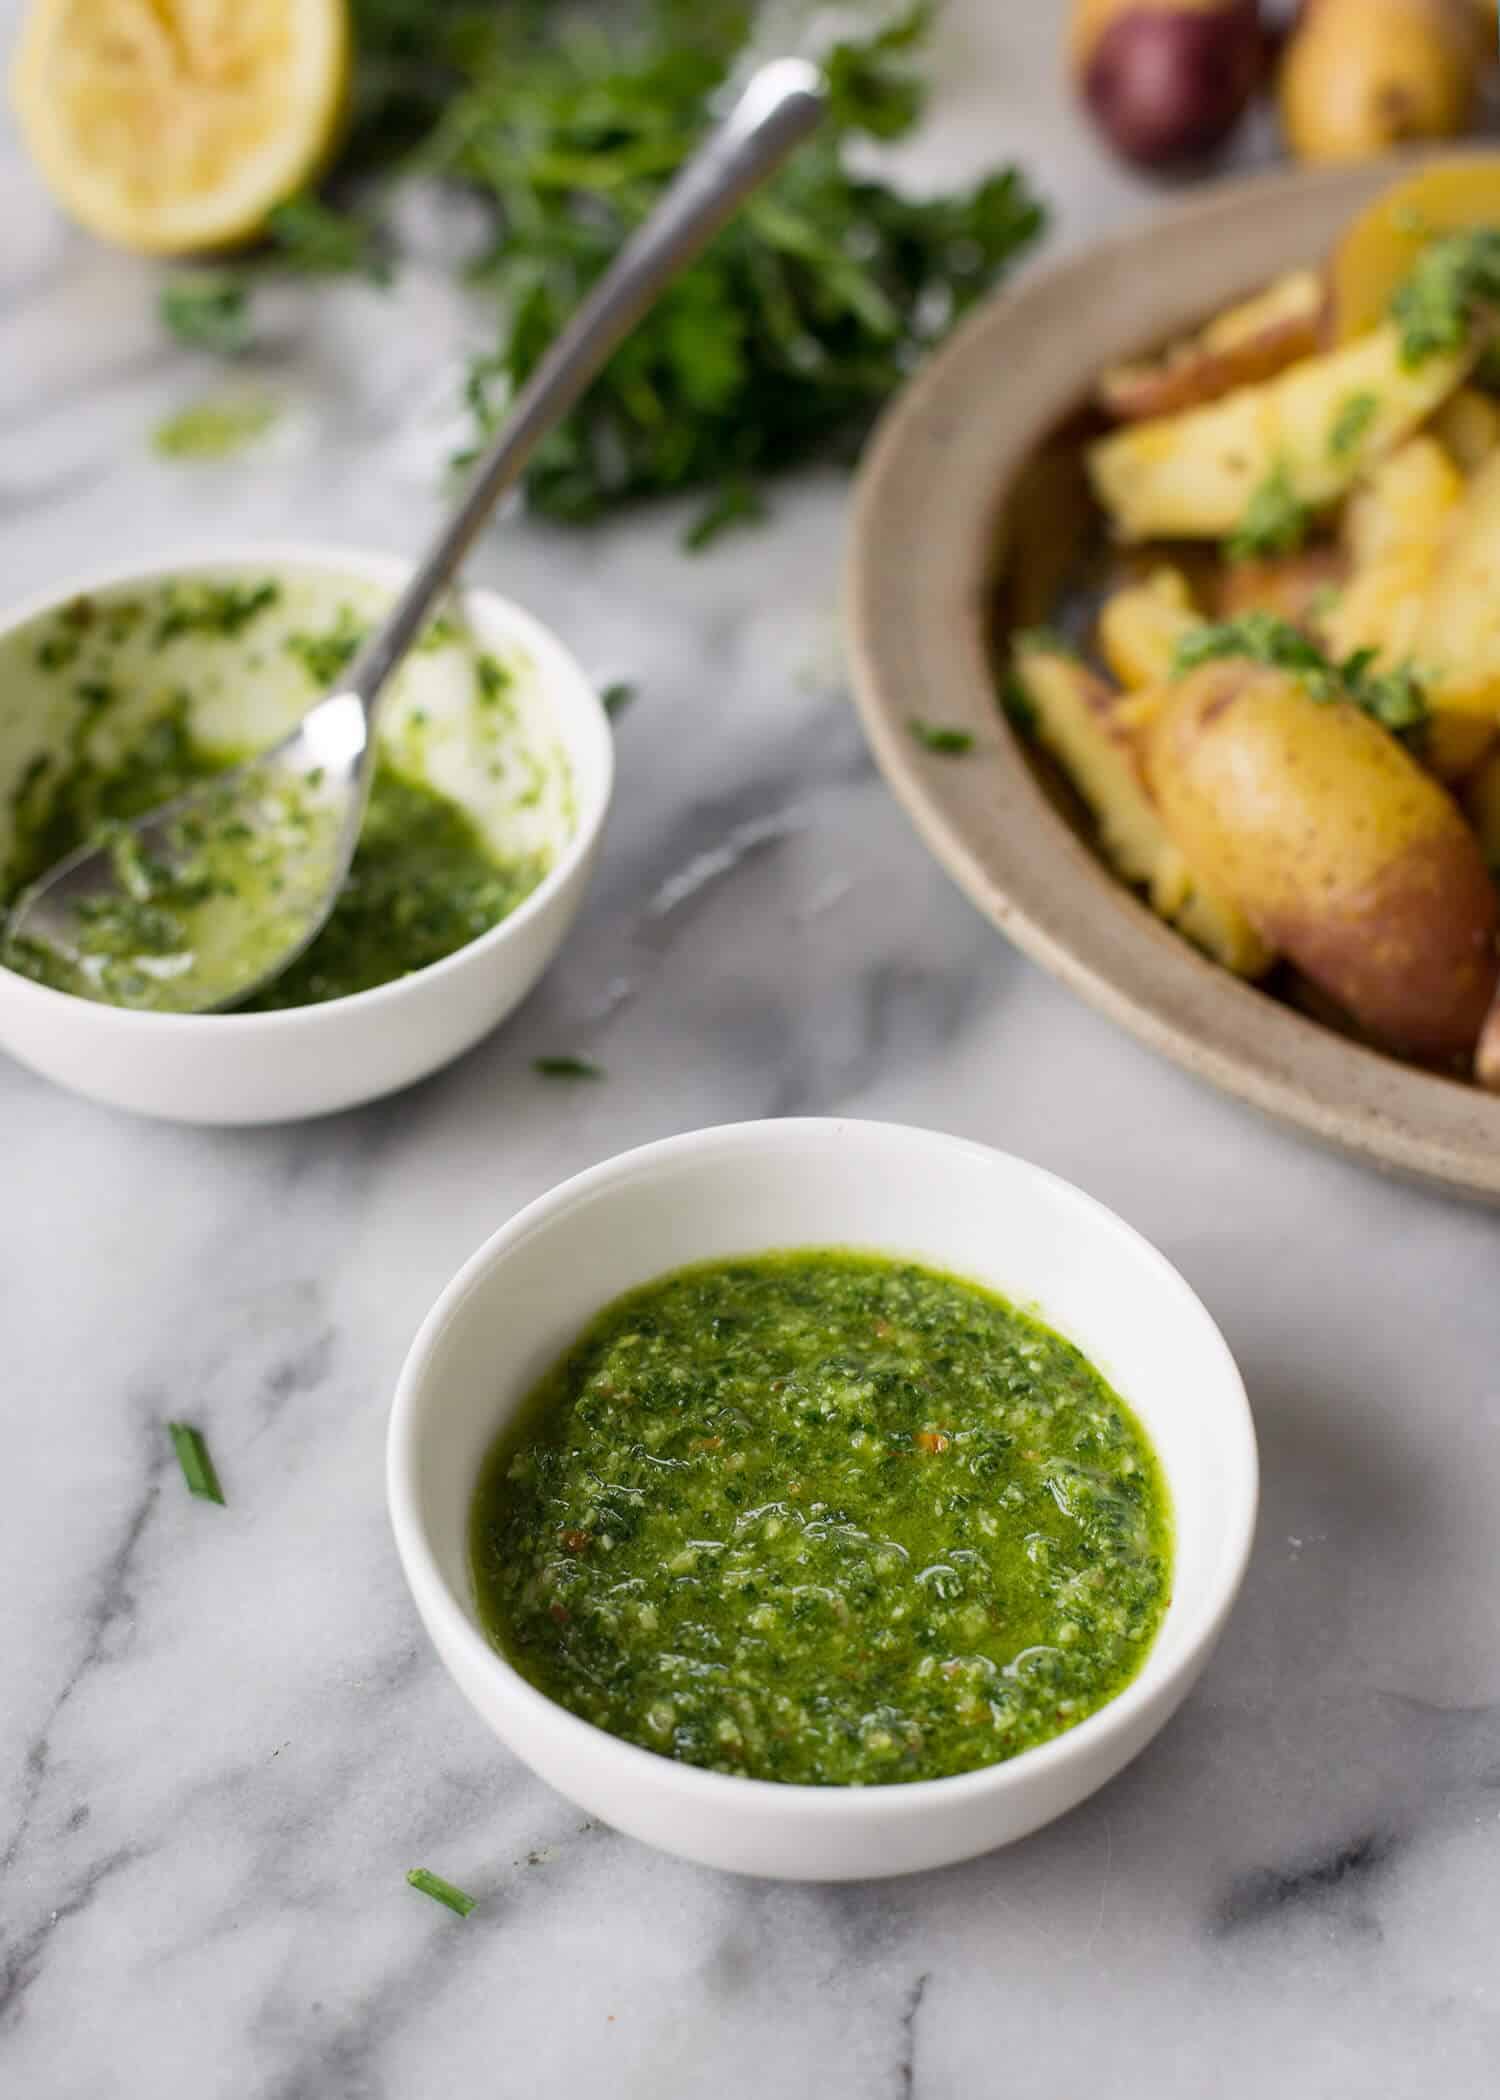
197,1466
566,1068
441,1891
616,698
948,743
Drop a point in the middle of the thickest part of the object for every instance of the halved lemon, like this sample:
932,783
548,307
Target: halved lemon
174,126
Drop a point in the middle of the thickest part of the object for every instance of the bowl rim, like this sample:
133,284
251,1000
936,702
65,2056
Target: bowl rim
1028,871
371,565
450,1628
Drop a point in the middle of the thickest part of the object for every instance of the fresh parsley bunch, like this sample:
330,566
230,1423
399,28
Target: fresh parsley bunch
780,345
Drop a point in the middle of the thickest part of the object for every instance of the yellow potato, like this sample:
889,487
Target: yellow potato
1378,251
1468,427
1394,529
1243,345
1457,639
1077,721
1343,854
1141,624
1193,476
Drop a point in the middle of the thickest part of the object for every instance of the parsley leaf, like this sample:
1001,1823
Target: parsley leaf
1353,418
947,743
1455,280
1395,699
780,345
566,1068
208,310
1275,520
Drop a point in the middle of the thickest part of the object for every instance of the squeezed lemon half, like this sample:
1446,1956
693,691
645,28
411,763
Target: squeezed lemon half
174,126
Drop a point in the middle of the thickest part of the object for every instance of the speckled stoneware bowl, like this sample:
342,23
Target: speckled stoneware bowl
948,501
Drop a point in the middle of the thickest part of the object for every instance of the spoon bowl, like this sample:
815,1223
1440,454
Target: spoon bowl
298,1061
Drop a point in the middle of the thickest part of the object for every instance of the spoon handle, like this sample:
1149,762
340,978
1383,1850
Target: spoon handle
781,104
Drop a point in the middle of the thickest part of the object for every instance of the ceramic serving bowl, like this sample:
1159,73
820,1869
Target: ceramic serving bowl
750,1188
308,1061
958,530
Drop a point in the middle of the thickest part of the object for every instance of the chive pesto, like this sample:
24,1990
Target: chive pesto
116,704
825,1518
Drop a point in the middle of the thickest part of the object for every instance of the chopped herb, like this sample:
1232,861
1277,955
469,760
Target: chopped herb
441,1891
781,343
197,1467
1395,699
1455,281
617,697
215,428
314,238
209,310
947,743
493,677
213,608
324,656
94,693
566,1068
56,651
441,632
1016,704
1349,425
738,502
1275,521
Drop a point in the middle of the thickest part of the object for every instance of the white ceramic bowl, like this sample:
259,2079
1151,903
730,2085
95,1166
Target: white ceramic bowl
752,1187
308,1061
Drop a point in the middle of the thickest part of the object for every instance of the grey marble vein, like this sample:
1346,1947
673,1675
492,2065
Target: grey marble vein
223,1737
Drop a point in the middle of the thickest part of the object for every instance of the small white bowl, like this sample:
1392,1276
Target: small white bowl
311,1060
752,1187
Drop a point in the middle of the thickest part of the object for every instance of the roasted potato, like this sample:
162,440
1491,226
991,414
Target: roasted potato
1457,641
1141,624
1380,248
1313,430
1394,528
1249,343
1077,722
1361,76
1468,428
1342,853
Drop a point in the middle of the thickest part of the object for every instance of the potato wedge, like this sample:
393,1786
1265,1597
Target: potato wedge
1379,249
1076,722
1457,641
1468,428
1193,476
1394,529
1340,850
1141,624
1247,343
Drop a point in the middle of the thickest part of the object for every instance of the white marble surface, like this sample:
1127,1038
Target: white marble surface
222,1736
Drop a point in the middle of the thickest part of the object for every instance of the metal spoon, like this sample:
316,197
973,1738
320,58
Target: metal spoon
299,806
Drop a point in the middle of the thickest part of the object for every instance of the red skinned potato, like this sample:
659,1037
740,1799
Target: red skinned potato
1251,342
1342,853
1166,80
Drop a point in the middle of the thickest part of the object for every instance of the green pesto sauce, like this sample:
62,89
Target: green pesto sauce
424,881
825,1518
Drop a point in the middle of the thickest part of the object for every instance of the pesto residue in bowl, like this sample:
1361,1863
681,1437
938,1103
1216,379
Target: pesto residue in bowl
132,698
826,1518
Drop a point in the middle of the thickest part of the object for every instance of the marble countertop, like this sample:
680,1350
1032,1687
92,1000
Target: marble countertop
223,1738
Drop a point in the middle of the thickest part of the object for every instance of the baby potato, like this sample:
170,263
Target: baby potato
1362,76
1379,249
1343,854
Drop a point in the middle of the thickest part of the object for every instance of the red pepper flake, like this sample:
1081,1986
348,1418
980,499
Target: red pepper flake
576,1541
708,1443
930,1440
559,1614
884,1330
